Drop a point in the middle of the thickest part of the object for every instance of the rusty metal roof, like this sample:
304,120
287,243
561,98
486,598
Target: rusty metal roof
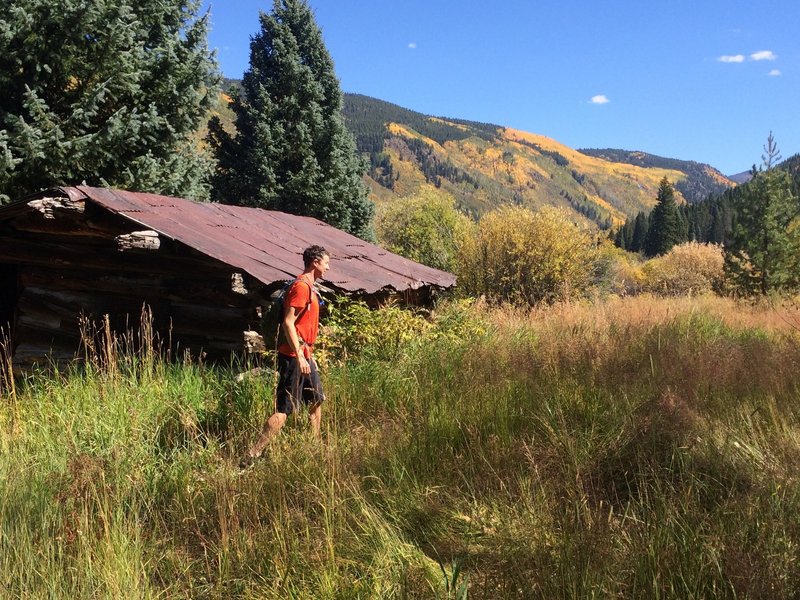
266,244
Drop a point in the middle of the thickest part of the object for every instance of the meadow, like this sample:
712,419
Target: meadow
627,447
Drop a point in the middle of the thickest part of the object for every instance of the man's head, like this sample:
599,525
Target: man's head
317,258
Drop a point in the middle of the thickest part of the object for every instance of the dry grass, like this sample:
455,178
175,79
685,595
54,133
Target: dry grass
643,311
634,447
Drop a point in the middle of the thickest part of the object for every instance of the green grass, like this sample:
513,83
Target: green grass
617,450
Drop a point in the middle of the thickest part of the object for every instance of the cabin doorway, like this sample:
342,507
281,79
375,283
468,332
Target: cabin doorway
9,293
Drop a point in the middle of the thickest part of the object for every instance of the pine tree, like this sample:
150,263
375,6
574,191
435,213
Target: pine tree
666,228
107,93
291,150
639,232
762,255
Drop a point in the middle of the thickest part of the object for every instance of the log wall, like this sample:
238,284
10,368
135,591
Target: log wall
83,263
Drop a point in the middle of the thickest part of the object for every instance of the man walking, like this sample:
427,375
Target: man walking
298,377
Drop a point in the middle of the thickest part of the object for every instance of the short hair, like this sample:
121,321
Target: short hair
313,253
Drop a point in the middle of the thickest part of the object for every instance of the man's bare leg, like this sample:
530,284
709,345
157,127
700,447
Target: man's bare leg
315,419
271,428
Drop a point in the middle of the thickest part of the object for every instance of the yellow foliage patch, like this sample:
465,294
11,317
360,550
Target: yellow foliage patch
616,214
450,123
525,169
718,177
407,132
592,165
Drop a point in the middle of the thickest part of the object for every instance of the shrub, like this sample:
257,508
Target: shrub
621,271
689,268
426,228
352,328
459,321
520,256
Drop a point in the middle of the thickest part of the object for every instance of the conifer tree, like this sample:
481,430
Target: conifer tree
762,254
719,224
618,238
292,151
107,93
639,232
666,228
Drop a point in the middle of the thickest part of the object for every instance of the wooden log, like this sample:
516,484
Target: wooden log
139,240
202,289
50,207
28,355
92,258
64,229
203,309
44,308
93,224
254,342
237,284
209,313
37,319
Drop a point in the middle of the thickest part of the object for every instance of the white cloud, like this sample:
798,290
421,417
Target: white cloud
600,99
763,55
736,58
775,73
412,45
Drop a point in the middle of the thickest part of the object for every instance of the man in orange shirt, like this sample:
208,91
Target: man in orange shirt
298,377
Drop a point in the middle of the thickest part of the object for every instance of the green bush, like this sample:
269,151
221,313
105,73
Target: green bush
621,271
520,256
352,328
426,228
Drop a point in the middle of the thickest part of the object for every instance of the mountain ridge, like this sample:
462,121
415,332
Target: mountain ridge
484,165
703,181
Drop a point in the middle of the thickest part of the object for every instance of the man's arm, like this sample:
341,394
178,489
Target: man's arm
290,315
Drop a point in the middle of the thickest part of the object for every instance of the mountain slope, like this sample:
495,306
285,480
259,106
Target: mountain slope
742,177
701,180
484,166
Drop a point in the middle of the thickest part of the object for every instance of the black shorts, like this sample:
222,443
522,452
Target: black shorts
294,388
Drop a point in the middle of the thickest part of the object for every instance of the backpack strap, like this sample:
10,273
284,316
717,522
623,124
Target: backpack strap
310,295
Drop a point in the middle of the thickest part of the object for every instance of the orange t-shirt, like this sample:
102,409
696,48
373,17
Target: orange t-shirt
306,304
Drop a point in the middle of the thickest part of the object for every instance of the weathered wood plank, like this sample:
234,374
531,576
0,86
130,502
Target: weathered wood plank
109,259
237,284
44,308
254,342
198,288
27,355
51,208
138,240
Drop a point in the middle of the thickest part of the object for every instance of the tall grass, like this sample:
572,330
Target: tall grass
627,448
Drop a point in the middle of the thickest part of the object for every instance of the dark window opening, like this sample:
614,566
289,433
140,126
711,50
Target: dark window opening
9,293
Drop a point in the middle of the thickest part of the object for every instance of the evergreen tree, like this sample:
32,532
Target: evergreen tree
719,227
639,232
619,238
627,234
666,228
107,93
291,150
762,255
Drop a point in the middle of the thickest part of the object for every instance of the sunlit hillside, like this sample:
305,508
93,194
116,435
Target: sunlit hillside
485,166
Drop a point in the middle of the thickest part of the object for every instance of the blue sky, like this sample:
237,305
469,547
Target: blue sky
703,80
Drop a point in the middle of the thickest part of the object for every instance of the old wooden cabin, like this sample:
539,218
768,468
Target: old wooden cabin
204,269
